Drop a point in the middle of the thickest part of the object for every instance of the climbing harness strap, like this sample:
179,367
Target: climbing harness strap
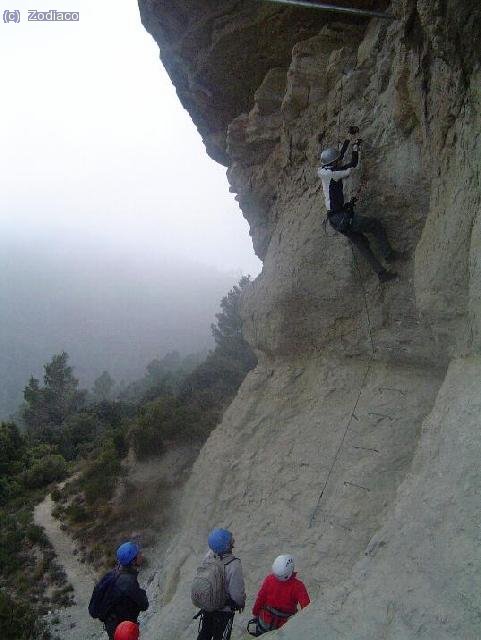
341,220
277,617
228,629
216,617
256,631
279,613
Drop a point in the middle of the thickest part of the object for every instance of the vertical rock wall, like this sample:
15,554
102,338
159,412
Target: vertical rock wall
355,443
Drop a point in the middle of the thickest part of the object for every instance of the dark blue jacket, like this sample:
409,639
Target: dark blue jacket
127,598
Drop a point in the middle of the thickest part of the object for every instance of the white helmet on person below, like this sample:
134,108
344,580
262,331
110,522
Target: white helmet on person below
283,567
330,155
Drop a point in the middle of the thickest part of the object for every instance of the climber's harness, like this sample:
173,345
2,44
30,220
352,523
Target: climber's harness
278,617
341,219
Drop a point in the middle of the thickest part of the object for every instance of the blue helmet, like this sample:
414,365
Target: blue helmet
127,552
220,540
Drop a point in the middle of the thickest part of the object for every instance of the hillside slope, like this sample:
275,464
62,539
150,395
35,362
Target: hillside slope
355,443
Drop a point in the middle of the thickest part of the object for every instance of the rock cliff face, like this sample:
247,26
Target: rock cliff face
355,444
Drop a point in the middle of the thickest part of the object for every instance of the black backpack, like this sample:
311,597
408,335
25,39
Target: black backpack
101,600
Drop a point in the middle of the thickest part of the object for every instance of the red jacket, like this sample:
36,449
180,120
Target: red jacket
283,595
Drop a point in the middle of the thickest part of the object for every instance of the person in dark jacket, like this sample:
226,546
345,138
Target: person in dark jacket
126,598
341,215
279,596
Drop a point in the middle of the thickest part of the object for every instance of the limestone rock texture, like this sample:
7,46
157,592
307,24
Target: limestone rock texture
355,444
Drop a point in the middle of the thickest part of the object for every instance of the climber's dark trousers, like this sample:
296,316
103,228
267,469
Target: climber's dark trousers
361,225
215,626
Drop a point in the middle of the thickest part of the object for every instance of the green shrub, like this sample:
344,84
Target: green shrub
121,444
79,433
147,439
52,467
19,621
57,495
100,476
9,488
12,445
11,542
36,535
167,418
76,513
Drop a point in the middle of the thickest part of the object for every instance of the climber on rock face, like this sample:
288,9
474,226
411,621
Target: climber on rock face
341,214
279,596
218,587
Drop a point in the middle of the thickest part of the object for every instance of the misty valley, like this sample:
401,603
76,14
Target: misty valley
82,443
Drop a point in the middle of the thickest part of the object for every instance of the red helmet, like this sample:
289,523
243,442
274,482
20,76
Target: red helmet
127,631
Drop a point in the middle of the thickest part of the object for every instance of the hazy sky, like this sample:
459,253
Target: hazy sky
96,149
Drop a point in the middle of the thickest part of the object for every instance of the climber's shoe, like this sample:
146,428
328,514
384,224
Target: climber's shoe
386,276
396,256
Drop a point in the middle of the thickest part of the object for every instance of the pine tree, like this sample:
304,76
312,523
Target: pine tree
48,406
227,332
103,387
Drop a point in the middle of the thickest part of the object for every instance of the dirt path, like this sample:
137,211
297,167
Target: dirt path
75,622
171,469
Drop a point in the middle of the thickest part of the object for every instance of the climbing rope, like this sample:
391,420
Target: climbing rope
366,307
331,469
361,386
340,110
316,510
324,223
371,341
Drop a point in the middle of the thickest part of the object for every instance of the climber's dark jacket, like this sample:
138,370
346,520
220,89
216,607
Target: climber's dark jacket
127,598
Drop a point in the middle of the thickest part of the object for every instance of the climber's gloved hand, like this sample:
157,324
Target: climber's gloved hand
356,145
353,130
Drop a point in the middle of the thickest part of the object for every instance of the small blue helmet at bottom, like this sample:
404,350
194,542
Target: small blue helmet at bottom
127,552
220,540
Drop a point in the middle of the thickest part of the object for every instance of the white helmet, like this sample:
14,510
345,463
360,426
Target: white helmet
328,156
283,567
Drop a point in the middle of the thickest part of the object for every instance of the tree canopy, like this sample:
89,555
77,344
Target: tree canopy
47,406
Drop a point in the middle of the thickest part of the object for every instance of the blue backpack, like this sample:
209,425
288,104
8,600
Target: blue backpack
101,600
